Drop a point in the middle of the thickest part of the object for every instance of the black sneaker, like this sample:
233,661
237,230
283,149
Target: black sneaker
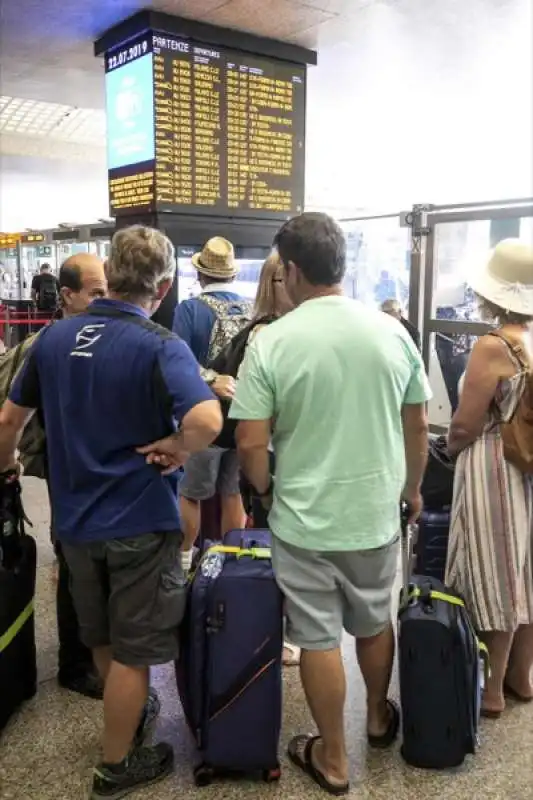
149,716
143,767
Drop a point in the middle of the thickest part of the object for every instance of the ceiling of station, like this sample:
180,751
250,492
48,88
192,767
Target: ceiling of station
52,86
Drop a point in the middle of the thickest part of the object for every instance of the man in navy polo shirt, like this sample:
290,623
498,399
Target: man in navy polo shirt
207,323
110,382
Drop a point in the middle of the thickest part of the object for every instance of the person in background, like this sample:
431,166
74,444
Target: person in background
394,309
271,303
205,324
45,289
81,280
490,555
350,436
108,381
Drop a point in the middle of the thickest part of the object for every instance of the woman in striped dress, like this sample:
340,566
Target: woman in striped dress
490,558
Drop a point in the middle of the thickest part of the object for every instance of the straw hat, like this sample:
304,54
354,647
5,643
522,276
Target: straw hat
217,259
506,280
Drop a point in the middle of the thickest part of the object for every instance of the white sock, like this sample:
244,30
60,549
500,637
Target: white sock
186,560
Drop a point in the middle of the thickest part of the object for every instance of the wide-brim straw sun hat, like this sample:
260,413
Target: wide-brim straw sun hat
217,259
506,278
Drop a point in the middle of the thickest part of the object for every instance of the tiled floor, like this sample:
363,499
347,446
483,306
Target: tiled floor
48,750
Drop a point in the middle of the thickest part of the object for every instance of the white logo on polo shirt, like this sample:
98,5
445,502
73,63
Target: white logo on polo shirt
85,338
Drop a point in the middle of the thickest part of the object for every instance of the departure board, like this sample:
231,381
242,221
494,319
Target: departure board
213,132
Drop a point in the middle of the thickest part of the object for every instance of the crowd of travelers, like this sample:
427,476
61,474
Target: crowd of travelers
329,415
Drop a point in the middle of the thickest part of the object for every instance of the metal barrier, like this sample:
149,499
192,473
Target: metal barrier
15,326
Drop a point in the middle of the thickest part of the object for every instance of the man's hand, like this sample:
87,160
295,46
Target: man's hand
415,504
167,454
224,386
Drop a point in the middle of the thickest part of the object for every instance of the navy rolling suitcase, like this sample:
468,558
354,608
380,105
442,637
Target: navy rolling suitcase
432,543
229,671
442,665
18,560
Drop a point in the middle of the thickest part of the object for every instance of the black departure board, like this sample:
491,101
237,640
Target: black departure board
228,130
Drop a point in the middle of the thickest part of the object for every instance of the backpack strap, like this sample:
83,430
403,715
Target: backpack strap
516,347
219,305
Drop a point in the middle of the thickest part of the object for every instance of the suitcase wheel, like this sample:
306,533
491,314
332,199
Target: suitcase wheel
203,775
272,775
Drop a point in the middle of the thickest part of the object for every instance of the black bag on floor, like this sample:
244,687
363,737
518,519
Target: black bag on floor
18,562
432,543
442,665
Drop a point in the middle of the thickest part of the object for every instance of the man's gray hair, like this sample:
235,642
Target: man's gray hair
391,306
140,259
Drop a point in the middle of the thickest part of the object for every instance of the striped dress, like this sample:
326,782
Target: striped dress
490,556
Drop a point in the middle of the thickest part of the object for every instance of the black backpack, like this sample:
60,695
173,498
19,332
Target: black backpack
437,486
228,362
48,296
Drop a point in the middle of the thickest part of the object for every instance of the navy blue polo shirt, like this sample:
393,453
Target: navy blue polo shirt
194,320
106,386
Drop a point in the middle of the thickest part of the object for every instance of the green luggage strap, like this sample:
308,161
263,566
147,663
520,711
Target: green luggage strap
16,627
415,592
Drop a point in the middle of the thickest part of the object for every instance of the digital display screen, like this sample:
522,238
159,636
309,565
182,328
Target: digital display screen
225,136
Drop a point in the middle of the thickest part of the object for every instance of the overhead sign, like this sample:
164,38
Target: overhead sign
205,130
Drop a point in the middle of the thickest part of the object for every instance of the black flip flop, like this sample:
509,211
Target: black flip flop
302,758
390,735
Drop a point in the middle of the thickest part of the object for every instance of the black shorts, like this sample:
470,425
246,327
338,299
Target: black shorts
130,594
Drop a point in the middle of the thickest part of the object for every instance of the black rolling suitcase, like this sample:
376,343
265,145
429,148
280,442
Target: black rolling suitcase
442,667
18,561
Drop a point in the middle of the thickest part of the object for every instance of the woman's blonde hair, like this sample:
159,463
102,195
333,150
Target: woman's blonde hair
266,298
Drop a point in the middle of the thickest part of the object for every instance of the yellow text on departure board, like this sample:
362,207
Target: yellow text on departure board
132,191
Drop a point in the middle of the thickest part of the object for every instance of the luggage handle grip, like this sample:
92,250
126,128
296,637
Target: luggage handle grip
256,552
241,552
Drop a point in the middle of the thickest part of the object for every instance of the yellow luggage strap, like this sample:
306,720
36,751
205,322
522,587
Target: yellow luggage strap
416,592
16,627
239,552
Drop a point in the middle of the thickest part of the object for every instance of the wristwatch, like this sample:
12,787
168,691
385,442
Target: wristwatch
209,376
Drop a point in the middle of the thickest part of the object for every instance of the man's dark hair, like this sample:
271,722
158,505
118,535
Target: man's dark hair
70,277
45,267
315,243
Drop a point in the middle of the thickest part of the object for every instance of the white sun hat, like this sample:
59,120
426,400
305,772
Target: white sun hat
506,279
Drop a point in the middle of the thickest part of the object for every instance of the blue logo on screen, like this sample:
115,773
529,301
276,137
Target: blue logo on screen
130,113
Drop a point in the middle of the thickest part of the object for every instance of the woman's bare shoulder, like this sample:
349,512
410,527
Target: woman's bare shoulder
492,352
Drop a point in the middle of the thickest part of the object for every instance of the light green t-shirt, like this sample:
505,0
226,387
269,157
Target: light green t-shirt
334,376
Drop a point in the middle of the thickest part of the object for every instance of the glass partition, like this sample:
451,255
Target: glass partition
458,241
9,274
459,249
448,357
378,259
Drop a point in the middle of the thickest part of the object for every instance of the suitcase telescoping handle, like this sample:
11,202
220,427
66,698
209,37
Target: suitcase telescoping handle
408,535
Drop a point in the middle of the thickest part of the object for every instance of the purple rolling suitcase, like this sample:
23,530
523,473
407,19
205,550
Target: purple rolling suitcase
229,672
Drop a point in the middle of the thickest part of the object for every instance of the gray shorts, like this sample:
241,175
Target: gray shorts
130,594
328,592
211,471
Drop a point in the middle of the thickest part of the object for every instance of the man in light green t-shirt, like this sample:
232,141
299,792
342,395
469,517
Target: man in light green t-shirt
342,391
